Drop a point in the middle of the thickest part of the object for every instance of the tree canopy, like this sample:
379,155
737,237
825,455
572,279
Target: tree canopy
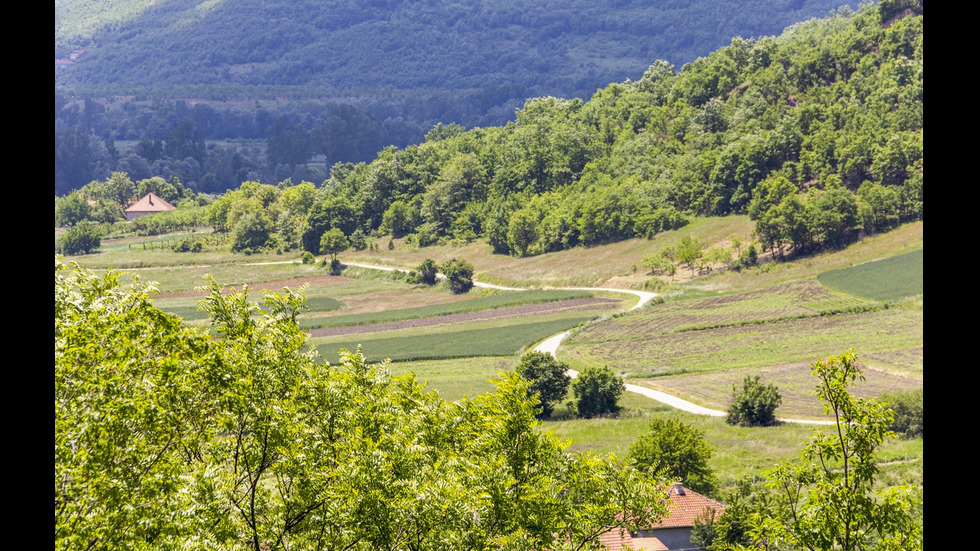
168,436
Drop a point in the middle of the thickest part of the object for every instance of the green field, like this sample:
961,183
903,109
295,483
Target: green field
472,305
886,279
493,340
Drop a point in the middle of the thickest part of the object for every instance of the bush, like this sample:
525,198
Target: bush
677,448
251,232
459,275
425,273
82,238
547,377
907,407
597,390
308,258
754,405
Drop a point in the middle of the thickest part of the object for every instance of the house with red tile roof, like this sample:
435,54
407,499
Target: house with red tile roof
149,204
672,533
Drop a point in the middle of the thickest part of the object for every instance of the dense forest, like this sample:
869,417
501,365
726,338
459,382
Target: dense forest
259,89
816,135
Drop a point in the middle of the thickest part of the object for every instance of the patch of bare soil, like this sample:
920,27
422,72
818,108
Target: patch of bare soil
571,305
274,285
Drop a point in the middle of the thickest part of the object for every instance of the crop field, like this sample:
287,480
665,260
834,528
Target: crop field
753,345
502,300
790,300
498,338
886,279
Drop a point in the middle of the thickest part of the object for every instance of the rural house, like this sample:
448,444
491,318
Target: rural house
670,534
149,204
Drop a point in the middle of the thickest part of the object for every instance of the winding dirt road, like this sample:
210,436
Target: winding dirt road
550,346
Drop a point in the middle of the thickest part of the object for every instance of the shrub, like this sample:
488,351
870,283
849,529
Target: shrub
597,390
358,241
754,405
459,275
547,377
308,258
907,407
251,232
425,273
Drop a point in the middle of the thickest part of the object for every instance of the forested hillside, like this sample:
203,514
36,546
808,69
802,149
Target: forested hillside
816,135
813,134
550,47
219,92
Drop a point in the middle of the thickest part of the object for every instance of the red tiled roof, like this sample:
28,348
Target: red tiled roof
150,203
686,507
616,542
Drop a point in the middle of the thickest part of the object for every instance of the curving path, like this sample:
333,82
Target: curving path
550,346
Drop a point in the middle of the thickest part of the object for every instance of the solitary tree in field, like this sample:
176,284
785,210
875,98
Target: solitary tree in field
548,378
334,242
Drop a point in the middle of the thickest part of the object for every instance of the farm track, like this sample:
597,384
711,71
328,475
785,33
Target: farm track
550,346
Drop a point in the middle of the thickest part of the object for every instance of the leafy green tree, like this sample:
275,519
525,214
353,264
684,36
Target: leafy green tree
656,263
333,242
459,275
82,238
830,496
251,232
71,209
171,437
677,450
597,391
130,413
548,379
522,231
754,405
689,250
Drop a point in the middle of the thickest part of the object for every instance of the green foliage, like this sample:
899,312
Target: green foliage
308,257
689,250
597,391
676,450
251,232
459,275
82,238
166,436
831,496
426,272
333,242
907,411
704,533
548,378
71,209
754,405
